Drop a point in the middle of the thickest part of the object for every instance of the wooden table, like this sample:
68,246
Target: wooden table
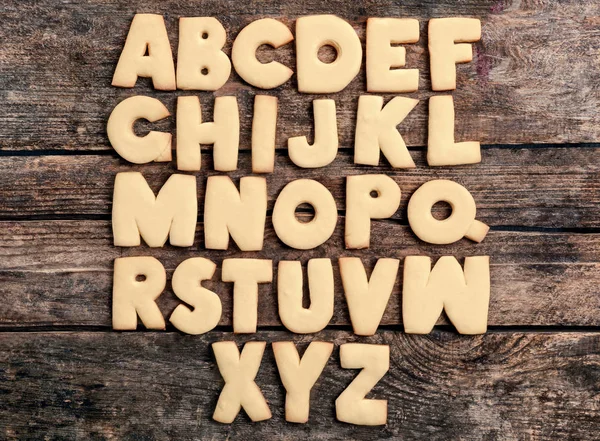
531,96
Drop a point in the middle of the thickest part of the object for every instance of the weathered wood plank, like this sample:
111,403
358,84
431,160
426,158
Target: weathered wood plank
498,386
57,62
557,187
60,273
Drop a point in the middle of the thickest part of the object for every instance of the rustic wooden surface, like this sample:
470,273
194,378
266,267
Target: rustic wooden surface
535,375
104,385
556,187
65,269
534,77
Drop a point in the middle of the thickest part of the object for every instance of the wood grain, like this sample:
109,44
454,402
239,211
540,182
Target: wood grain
533,78
59,273
533,81
558,187
164,386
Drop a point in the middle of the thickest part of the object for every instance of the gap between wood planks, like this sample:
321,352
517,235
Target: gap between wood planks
284,152
346,328
108,217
